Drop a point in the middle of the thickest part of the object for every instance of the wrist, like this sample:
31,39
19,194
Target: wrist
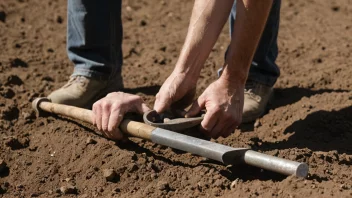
234,76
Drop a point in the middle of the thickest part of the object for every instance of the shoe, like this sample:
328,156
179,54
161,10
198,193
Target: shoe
81,91
256,98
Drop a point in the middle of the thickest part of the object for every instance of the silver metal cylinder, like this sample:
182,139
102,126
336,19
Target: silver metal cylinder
275,164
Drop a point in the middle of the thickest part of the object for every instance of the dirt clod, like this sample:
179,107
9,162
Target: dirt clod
163,185
109,174
10,112
17,62
68,189
91,141
7,93
17,143
13,80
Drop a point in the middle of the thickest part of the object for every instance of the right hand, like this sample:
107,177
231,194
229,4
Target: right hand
110,110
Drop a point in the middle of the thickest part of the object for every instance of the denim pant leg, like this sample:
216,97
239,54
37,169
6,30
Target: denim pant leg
264,69
94,37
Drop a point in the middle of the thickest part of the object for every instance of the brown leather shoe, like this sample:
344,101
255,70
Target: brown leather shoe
256,98
82,92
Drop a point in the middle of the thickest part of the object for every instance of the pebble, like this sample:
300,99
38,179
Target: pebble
163,185
109,174
68,189
218,183
3,165
91,141
234,183
257,123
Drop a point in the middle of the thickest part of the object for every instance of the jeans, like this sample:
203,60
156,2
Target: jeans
94,39
263,68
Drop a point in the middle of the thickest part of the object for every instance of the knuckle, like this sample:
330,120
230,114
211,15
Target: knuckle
116,106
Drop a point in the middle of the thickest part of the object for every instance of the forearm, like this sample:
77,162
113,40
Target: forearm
251,16
207,20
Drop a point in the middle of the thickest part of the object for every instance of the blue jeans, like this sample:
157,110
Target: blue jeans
263,68
94,39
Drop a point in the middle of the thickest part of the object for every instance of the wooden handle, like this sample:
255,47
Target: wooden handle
136,129
69,111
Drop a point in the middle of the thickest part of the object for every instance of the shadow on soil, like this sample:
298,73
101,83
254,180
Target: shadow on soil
319,131
286,96
148,90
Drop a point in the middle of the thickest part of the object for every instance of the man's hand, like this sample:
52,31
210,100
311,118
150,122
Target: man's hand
177,92
109,112
223,101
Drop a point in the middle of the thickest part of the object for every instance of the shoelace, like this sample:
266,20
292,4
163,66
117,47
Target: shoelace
249,90
76,79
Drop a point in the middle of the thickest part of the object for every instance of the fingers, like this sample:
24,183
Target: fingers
218,123
209,121
162,103
106,120
142,108
116,116
196,107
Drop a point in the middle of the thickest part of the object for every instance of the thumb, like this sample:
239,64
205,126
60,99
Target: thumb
161,103
196,107
142,108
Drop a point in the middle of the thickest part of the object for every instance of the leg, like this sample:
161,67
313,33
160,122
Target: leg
94,37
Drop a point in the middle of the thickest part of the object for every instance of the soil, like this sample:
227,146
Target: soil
309,119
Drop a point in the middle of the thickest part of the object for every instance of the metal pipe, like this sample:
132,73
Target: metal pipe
275,164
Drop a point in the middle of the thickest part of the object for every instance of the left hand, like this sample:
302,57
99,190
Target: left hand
223,101
110,110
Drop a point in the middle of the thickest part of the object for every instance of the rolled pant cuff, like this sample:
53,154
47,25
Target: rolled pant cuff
79,71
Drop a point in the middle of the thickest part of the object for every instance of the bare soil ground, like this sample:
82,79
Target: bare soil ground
309,120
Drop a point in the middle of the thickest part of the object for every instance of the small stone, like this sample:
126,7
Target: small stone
132,167
218,183
3,165
257,124
28,115
163,185
153,176
91,141
234,183
68,189
109,174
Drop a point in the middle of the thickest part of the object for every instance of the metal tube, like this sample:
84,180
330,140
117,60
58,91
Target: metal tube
275,164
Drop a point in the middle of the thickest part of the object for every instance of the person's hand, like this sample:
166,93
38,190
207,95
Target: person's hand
177,92
109,112
223,102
